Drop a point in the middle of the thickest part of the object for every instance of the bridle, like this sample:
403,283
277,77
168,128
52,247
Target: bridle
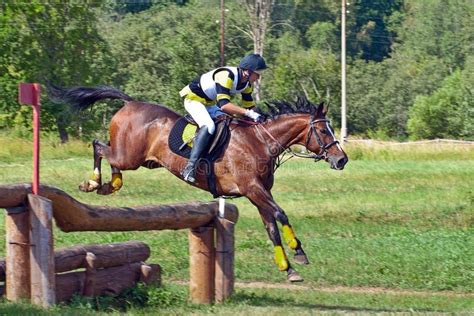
324,147
323,153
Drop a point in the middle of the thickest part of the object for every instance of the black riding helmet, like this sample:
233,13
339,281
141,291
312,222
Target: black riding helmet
253,62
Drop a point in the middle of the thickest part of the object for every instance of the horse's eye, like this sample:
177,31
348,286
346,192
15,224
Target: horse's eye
324,131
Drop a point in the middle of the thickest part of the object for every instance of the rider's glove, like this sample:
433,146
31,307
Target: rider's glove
253,115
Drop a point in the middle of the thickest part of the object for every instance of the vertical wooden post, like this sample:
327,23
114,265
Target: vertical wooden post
202,265
17,266
42,253
224,259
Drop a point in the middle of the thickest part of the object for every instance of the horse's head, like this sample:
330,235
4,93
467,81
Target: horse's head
321,139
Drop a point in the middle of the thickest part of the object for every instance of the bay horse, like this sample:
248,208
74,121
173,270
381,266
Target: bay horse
139,137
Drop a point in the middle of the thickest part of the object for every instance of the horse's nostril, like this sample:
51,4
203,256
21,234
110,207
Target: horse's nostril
341,162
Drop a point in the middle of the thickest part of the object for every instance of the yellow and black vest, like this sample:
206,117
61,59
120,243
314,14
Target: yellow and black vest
217,86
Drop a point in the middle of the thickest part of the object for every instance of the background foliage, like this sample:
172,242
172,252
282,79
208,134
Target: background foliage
409,73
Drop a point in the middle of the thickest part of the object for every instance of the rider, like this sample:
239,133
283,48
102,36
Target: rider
208,95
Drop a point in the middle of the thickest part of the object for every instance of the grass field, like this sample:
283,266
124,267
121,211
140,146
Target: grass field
392,232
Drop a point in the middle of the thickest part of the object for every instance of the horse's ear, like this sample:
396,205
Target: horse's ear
325,108
322,109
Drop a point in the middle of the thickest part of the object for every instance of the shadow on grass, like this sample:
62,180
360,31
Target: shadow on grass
264,300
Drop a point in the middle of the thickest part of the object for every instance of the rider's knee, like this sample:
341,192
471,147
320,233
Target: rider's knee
211,127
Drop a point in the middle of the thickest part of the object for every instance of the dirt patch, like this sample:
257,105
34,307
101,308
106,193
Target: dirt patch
347,289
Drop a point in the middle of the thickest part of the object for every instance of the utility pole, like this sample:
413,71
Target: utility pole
343,73
222,33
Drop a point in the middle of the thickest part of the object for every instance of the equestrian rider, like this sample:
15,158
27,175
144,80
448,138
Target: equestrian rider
208,96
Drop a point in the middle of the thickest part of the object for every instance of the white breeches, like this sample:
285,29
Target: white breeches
199,113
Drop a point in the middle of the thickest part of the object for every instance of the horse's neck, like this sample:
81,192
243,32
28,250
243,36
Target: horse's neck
288,130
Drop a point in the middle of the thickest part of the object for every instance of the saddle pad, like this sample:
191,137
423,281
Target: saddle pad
183,131
175,139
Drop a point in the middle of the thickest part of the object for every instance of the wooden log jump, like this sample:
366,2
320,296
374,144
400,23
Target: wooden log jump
109,269
31,262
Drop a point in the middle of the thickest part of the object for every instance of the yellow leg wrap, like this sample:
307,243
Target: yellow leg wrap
96,177
290,237
116,181
280,258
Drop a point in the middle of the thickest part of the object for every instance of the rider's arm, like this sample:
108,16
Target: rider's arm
224,81
231,108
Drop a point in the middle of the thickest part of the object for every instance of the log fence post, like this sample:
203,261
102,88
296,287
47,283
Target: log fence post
224,276
201,265
17,265
42,267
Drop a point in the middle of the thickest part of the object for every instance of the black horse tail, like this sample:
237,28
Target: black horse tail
81,98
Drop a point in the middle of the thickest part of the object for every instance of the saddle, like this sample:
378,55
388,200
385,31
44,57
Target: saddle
180,141
184,130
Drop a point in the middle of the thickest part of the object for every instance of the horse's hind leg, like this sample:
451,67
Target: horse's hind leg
101,150
113,185
96,180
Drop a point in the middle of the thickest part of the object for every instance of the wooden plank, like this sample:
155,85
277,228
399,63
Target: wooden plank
202,265
17,265
41,251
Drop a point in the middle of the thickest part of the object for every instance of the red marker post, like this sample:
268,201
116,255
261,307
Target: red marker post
29,93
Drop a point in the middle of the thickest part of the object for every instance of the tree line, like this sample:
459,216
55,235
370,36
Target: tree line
409,76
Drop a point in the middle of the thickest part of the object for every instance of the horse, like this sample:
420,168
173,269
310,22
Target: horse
139,137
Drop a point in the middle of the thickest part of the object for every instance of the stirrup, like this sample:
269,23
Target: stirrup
188,174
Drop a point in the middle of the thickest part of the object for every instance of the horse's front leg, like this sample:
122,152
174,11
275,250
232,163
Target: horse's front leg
290,238
267,209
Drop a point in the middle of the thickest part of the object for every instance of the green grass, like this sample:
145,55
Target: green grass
397,218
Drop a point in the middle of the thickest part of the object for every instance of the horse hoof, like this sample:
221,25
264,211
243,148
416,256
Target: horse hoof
294,276
301,259
88,186
106,189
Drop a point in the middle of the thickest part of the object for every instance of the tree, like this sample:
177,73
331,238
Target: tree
160,51
303,72
371,28
428,49
59,42
448,112
259,12
365,97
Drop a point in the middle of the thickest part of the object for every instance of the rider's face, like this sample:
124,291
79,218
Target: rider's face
253,77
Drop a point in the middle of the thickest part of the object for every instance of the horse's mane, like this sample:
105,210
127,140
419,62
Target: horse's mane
280,107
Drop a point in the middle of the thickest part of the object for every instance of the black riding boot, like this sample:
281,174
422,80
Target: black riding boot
199,144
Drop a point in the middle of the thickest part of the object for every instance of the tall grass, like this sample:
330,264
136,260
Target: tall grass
16,148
